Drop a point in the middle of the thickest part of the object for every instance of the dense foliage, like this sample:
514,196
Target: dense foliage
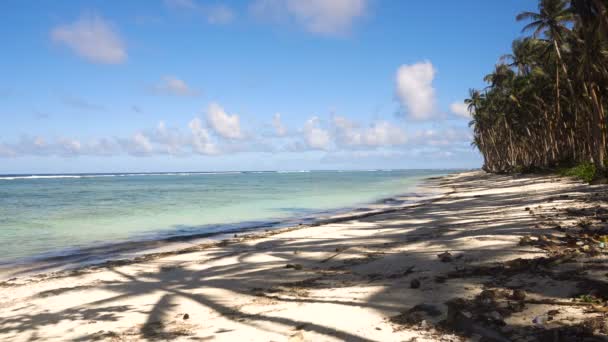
545,104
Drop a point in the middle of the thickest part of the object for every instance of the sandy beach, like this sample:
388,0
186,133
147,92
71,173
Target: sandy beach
492,257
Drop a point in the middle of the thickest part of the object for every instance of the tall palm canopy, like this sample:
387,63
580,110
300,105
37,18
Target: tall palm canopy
545,103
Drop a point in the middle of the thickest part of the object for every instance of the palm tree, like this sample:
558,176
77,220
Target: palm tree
551,20
525,119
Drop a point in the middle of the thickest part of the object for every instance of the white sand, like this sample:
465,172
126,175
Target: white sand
349,284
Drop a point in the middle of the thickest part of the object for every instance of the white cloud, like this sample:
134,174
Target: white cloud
383,133
442,137
461,109
224,124
172,85
335,17
92,38
380,133
280,129
103,147
220,133
171,141
139,145
414,89
31,146
200,138
315,136
66,145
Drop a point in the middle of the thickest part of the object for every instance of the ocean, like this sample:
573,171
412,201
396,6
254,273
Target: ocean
45,216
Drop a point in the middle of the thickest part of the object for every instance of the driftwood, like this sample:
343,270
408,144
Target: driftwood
556,302
338,252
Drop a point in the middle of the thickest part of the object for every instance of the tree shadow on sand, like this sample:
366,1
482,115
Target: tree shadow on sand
403,247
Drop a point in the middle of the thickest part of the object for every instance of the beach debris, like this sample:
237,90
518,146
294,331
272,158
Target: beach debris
405,273
445,257
543,238
415,283
527,209
525,240
429,309
552,313
338,251
375,276
518,294
294,266
495,317
418,316
299,336
186,316
463,320
409,270
441,279
540,320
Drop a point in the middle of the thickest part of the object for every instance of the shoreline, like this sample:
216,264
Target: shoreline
491,257
133,251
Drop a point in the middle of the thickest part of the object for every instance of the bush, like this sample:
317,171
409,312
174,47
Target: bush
584,171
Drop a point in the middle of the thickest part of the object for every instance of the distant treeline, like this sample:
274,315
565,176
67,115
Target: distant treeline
545,104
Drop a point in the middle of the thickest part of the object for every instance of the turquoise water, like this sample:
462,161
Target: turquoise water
43,215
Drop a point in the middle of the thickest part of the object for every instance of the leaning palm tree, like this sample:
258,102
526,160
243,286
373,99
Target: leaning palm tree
530,116
552,20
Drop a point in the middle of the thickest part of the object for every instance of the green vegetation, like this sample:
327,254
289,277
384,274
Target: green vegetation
585,172
545,104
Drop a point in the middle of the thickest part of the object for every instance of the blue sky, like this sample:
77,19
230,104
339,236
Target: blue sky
186,85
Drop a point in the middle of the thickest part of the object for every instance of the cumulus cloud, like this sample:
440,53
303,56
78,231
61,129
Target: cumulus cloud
442,137
213,13
414,89
200,138
316,137
380,133
224,124
69,146
103,147
460,109
139,145
172,85
170,140
220,133
28,145
93,38
334,17
279,128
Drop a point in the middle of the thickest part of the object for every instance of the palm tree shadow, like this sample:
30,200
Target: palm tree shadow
404,246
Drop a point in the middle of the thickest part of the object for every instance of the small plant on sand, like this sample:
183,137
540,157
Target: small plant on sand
584,171
586,298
